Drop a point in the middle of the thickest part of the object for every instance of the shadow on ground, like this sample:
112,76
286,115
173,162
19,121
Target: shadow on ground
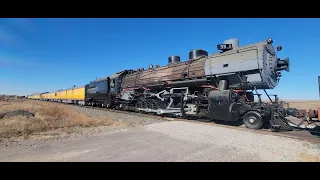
313,132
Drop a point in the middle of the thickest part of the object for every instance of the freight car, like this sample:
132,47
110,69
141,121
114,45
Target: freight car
219,86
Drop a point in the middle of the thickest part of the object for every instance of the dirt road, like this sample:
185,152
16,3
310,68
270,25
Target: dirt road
165,141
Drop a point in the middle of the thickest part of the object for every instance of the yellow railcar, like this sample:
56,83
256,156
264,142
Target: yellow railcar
44,96
48,97
57,95
71,95
79,93
35,96
51,96
63,94
75,94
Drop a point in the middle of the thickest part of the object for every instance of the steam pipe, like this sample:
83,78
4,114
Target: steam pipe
188,82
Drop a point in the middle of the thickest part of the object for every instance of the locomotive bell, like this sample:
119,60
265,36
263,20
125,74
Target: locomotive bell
269,41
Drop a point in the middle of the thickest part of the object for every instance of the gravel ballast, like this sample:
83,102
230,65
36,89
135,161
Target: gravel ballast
130,119
266,147
142,138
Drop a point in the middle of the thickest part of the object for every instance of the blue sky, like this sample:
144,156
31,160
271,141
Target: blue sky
38,55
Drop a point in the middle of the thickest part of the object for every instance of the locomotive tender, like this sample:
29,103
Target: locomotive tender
217,86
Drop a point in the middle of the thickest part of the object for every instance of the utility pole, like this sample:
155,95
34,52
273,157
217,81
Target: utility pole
319,85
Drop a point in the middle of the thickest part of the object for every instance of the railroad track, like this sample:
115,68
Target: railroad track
298,133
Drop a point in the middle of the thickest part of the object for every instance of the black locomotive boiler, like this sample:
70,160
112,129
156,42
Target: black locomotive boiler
220,86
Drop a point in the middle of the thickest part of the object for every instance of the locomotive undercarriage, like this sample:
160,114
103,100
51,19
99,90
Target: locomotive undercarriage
170,103
204,102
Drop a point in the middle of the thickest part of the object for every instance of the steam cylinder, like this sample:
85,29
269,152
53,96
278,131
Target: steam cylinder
195,53
173,59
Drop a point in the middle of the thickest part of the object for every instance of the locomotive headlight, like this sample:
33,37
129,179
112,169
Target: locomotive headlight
269,41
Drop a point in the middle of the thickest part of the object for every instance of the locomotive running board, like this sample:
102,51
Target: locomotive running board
176,111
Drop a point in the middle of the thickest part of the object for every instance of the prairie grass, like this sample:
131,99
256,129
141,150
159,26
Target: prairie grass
47,116
304,104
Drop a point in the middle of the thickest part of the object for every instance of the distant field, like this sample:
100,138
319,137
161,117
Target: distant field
304,104
299,104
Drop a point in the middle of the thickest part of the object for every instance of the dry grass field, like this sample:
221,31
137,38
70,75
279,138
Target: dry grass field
304,104
47,116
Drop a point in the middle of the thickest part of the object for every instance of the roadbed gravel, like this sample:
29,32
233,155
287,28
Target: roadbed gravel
157,140
132,119
266,147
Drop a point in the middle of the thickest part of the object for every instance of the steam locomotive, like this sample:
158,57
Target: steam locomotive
219,86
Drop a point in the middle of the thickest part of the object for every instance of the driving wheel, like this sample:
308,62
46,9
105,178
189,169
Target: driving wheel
253,120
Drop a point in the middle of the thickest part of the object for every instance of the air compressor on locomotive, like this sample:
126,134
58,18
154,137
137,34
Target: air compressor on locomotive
219,86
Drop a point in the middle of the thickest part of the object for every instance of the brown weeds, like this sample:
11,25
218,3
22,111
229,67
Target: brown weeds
48,116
